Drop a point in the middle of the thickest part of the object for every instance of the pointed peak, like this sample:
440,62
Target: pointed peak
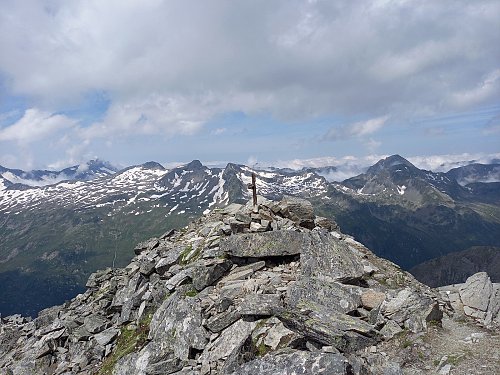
195,164
389,162
153,165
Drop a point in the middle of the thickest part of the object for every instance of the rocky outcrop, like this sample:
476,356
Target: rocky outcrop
270,289
477,298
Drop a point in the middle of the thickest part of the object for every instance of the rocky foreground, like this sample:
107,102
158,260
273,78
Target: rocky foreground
270,289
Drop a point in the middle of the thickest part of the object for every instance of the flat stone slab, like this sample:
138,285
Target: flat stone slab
266,244
261,304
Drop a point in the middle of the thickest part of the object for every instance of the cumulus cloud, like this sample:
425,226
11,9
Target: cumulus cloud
36,125
290,58
154,114
357,129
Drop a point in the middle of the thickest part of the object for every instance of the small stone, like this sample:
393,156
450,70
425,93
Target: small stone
371,299
95,323
105,337
445,370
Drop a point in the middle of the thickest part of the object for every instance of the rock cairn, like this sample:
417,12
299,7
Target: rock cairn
270,289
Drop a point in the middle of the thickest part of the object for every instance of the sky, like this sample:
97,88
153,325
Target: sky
290,83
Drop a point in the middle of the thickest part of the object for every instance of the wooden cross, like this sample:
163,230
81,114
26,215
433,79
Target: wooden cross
253,186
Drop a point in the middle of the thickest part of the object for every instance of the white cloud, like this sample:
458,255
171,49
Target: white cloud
358,129
151,115
489,87
443,163
36,125
291,58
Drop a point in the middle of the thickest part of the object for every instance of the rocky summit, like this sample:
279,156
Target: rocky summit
266,289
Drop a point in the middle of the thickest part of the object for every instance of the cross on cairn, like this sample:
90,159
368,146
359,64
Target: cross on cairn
253,186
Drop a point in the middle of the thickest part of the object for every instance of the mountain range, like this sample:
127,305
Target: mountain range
52,236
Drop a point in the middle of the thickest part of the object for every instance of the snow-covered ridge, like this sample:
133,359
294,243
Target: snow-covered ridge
193,188
87,171
189,189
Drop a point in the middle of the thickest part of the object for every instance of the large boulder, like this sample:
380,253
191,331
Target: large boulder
329,327
336,296
477,298
411,309
326,257
298,210
480,298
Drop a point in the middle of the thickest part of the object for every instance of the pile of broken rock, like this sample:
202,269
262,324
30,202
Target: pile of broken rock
270,289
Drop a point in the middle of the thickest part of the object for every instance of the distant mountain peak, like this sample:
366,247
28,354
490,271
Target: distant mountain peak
153,165
389,162
195,164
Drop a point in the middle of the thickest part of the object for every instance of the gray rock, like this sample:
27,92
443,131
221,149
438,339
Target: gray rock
167,234
278,335
261,304
267,244
168,259
147,266
178,322
207,274
390,329
295,363
96,279
329,327
221,321
333,295
325,256
412,309
371,299
146,245
80,334
257,227
238,226
246,219
298,210
95,323
232,209
175,332
231,338
131,304
124,294
45,317
106,336
476,291
178,279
